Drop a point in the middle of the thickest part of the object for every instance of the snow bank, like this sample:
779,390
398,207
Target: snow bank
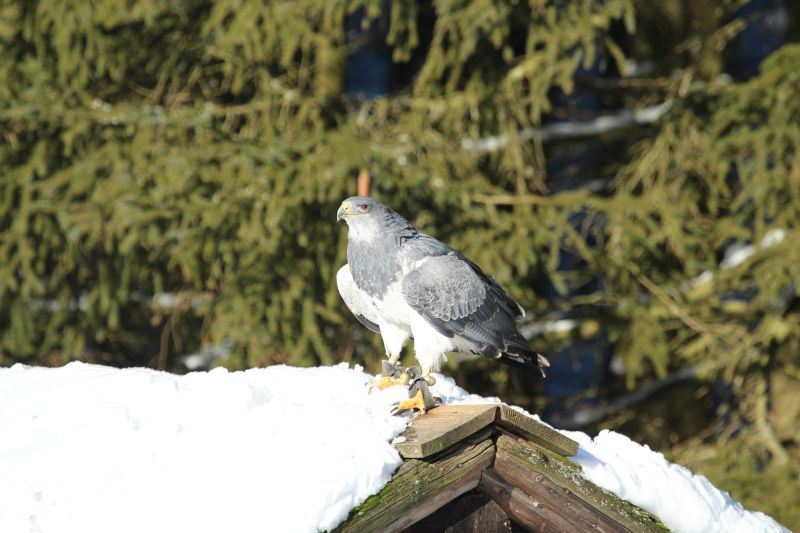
87,448
685,502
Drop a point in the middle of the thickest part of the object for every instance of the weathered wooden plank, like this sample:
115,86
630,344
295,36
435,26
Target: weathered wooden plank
517,455
522,508
443,427
420,487
527,427
549,498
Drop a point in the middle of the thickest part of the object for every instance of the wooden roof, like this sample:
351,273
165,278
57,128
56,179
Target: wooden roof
491,468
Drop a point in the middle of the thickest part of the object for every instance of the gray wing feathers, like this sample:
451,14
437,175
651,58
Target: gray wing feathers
355,299
444,288
419,246
423,246
459,300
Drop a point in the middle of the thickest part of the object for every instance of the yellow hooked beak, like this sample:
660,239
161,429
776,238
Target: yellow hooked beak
343,211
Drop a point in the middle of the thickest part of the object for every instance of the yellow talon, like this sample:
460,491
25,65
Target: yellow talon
415,403
386,381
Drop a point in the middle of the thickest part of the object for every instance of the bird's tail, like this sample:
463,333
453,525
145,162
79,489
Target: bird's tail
520,355
516,354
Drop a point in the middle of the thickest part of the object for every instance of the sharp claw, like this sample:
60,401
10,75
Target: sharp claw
415,403
420,398
398,410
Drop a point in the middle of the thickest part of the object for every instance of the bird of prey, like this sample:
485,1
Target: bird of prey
403,284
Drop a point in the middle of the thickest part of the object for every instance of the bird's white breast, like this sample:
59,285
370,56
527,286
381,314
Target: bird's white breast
392,306
430,346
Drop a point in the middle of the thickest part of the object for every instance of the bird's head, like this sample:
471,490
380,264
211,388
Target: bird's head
357,207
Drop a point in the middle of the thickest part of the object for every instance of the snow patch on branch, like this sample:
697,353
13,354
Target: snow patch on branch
572,129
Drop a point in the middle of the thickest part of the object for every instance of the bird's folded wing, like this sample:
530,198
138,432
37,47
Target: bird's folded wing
457,299
447,293
356,299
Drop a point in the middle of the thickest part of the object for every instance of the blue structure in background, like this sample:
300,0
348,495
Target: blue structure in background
369,70
766,22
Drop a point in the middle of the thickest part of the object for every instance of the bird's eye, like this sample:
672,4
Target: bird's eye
364,206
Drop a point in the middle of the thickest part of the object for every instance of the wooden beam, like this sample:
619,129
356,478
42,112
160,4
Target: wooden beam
420,487
530,467
554,505
541,434
443,427
530,512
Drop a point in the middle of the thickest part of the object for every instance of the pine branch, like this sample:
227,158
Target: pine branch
573,129
161,301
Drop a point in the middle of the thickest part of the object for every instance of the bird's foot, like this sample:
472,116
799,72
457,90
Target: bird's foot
389,368
419,396
415,403
386,381
392,374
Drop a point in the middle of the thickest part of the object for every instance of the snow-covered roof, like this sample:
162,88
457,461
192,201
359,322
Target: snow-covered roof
89,448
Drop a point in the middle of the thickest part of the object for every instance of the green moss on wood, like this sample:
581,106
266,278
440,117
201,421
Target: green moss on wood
567,475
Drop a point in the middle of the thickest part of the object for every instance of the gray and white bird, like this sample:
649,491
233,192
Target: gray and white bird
403,284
